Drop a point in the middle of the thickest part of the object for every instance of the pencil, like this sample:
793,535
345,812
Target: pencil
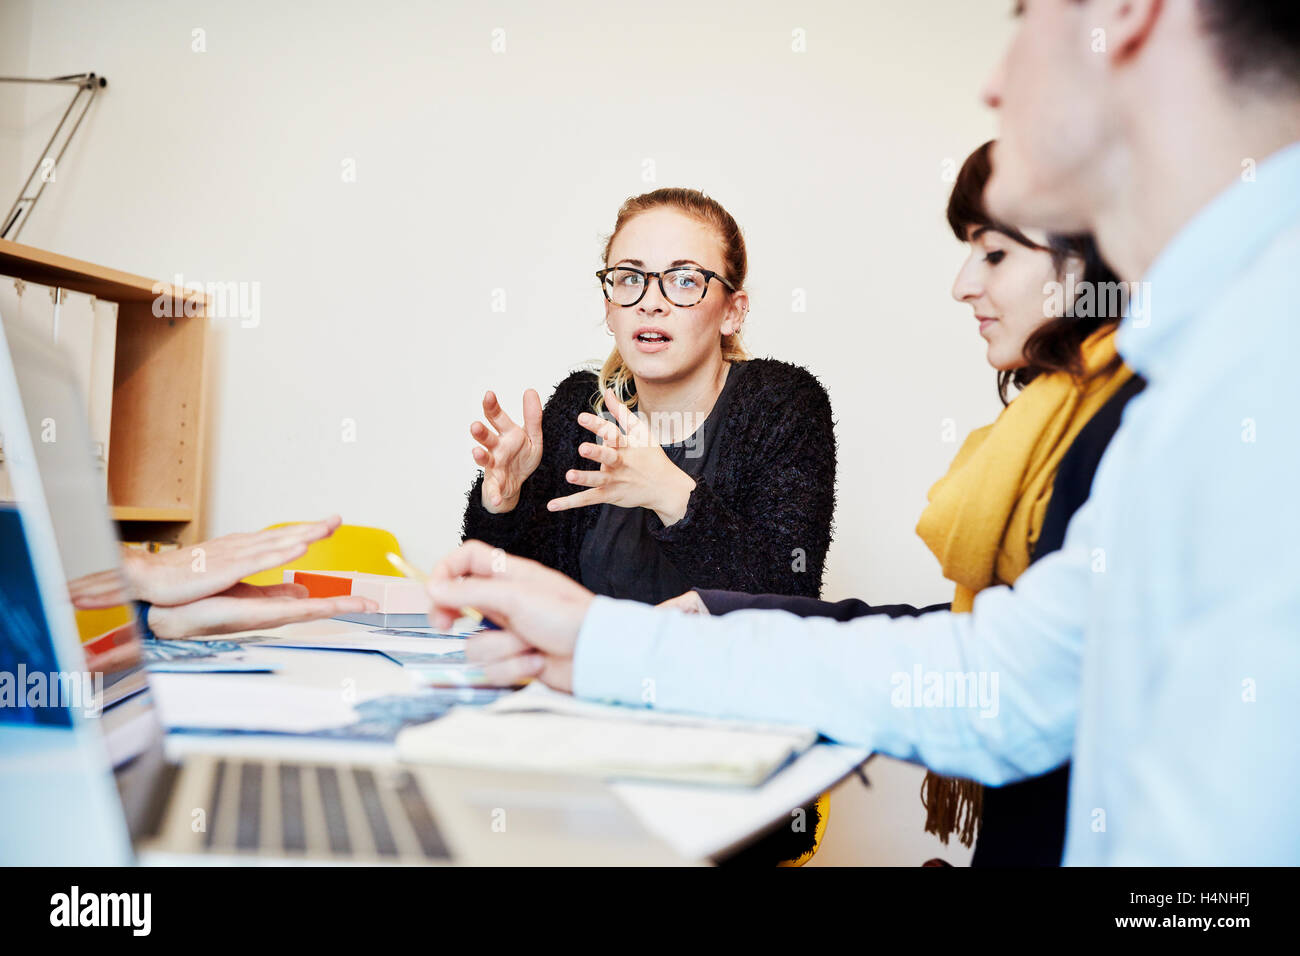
415,574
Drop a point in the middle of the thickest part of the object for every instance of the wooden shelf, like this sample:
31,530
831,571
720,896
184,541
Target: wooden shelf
52,269
156,426
133,513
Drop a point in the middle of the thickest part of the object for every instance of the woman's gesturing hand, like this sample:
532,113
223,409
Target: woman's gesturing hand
635,472
509,454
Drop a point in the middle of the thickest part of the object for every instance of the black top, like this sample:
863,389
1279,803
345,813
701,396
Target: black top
1023,823
620,556
758,520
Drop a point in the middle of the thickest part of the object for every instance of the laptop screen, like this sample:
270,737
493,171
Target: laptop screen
26,647
80,629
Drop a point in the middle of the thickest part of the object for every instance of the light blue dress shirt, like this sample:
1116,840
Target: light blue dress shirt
1159,648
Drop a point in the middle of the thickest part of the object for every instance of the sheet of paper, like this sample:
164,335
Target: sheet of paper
362,640
225,664
240,702
454,673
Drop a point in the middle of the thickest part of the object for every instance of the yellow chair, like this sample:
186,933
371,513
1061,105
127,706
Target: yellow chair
350,548
823,812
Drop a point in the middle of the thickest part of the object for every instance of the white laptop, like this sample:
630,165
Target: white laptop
83,774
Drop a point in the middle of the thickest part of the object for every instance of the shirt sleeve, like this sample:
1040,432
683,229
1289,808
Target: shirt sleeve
991,695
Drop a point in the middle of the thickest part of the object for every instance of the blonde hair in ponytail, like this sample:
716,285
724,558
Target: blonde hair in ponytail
615,374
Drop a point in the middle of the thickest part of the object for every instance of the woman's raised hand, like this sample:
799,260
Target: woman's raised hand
509,454
634,470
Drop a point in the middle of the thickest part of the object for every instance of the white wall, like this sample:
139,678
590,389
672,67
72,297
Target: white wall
478,170
15,28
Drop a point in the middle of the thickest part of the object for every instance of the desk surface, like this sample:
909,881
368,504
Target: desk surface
697,821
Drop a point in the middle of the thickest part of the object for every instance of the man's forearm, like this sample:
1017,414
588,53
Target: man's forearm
990,696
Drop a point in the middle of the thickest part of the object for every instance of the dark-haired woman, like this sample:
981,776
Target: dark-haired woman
1013,486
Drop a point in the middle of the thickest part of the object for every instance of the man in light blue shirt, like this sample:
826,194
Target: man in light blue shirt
1159,648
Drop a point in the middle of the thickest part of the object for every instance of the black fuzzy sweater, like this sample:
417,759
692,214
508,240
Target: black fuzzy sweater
761,524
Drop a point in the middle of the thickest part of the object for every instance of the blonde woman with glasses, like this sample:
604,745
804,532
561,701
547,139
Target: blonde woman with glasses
683,462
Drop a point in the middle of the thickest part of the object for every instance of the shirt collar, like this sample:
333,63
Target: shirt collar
1215,245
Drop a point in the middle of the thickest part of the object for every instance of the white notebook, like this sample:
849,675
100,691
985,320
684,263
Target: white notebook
540,730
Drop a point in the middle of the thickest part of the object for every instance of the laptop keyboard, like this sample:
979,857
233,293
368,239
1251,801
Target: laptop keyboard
311,810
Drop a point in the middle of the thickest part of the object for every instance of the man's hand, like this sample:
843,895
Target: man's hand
102,589
213,567
247,607
540,612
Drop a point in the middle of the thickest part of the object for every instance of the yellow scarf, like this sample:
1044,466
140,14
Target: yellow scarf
985,514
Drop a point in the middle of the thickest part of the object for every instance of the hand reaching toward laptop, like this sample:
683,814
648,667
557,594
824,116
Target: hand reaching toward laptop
199,590
248,607
210,567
